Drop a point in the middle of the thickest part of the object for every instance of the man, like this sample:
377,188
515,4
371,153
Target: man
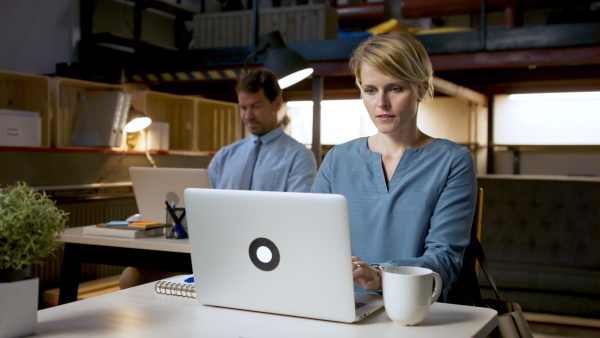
282,163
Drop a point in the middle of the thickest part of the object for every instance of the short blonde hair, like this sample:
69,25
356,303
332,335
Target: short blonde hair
398,55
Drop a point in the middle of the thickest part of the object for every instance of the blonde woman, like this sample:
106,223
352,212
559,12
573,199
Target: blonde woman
411,197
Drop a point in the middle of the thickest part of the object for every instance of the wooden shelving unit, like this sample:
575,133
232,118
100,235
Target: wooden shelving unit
197,126
30,93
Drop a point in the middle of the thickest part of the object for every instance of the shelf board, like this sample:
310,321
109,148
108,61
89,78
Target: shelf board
547,148
107,151
180,11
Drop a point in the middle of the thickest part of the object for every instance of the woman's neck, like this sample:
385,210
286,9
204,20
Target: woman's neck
387,144
392,148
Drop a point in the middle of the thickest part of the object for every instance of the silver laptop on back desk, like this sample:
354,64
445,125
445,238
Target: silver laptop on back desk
153,186
275,252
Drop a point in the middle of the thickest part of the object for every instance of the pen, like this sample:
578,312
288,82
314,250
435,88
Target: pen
177,227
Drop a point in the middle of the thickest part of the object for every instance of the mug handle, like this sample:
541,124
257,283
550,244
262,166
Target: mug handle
437,290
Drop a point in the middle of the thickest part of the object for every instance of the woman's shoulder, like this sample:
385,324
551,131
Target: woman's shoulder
354,150
353,145
444,145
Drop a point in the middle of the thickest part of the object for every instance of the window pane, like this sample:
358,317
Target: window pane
546,120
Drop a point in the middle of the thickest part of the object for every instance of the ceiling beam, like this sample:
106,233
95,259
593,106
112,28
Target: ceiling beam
527,58
454,90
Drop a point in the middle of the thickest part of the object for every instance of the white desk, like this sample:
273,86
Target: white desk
158,243
157,253
140,312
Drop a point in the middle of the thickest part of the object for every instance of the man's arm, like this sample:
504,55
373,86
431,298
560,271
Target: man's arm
214,170
302,172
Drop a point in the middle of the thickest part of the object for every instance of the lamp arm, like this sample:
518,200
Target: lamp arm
261,48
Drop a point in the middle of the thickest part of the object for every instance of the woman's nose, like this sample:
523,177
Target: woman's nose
382,101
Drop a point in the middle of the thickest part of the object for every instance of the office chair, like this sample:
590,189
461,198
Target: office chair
462,287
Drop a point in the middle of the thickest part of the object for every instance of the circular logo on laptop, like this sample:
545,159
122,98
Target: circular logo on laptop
264,254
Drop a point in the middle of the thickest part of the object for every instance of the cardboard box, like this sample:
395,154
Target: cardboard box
19,128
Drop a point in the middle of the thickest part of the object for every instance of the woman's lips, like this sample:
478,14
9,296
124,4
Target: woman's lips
385,117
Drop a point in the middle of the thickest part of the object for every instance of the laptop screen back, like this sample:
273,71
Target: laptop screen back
275,252
153,186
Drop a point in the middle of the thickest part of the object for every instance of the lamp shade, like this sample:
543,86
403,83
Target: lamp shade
136,121
289,66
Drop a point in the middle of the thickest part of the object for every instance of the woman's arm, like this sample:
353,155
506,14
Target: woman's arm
450,224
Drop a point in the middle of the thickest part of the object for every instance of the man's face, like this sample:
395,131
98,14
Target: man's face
257,112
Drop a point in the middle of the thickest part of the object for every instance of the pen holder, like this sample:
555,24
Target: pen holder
176,227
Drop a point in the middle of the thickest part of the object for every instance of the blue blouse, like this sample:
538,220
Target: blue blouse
283,164
421,218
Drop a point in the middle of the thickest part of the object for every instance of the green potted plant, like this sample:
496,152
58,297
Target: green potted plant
30,227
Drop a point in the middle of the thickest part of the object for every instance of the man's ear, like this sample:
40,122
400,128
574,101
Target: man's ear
278,102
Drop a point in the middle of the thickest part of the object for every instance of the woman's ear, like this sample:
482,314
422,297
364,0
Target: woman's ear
423,90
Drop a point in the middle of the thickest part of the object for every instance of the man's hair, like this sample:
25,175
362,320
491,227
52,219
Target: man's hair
398,55
263,78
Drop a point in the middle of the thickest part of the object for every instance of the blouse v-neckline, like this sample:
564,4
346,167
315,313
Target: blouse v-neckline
398,175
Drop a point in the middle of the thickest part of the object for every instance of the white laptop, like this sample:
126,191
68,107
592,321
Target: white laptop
153,186
275,252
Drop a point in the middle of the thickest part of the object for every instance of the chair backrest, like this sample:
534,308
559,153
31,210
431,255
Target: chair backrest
461,293
477,225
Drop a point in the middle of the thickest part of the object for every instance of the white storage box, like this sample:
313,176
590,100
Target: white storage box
19,128
295,23
158,136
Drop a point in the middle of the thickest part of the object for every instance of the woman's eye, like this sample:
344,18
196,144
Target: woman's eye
369,91
396,89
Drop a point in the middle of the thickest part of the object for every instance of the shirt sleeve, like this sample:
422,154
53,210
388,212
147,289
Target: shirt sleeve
322,181
214,170
302,172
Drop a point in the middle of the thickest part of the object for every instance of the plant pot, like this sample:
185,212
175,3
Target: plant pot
13,275
18,305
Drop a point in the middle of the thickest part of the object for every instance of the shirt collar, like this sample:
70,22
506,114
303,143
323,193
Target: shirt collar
270,136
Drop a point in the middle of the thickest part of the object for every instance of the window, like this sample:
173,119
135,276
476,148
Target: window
341,121
547,119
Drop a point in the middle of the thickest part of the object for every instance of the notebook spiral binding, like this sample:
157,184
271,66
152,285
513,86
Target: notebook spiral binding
175,289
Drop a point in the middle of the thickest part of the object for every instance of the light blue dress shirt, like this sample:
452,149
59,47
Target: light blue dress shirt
421,218
283,164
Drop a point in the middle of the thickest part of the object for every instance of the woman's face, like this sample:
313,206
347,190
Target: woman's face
391,103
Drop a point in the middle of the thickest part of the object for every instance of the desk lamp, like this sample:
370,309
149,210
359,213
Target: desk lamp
289,66
136,121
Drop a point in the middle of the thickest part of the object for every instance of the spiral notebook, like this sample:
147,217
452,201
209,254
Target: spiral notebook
176,286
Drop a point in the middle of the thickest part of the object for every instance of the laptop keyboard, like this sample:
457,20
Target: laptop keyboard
359,305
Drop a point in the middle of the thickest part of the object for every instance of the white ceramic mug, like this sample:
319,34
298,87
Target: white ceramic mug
407,293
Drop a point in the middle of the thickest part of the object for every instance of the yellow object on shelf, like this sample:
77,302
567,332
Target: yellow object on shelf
391,25
442,30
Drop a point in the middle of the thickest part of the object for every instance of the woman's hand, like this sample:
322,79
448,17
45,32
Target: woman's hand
366,276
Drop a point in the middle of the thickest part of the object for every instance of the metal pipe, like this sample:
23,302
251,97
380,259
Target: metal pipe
255,23
317,97
490,137
483,25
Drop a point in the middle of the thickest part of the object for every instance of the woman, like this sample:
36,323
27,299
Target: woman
411,197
